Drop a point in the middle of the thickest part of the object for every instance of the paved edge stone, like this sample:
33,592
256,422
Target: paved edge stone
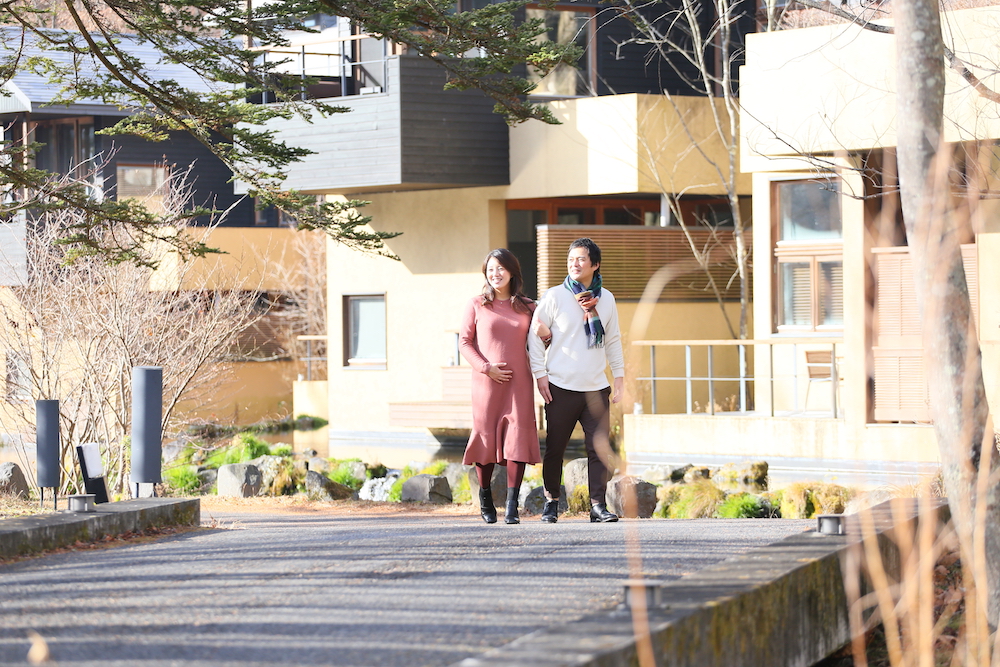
779,605
31,534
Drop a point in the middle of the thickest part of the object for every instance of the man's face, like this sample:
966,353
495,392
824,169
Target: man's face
581,269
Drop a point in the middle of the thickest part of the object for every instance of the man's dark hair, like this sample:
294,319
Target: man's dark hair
592,250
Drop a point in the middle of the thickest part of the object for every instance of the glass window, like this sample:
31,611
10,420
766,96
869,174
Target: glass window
364,331
809,211
144,183
809,255
564,26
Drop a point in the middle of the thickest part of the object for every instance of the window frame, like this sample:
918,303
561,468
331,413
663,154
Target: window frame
361,363
812,253
159,195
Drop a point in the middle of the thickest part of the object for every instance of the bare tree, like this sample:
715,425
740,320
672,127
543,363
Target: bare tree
74,331
703,52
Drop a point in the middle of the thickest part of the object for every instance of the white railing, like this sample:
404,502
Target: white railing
335,60
815,371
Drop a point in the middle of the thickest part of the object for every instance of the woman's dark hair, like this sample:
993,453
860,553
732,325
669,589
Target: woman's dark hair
508,261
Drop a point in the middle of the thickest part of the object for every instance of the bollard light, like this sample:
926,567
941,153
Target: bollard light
830,524
649,589
147,415
47,448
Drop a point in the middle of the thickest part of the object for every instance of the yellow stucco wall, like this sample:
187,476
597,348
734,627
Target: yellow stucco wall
445,236
831,88
619,144
252,258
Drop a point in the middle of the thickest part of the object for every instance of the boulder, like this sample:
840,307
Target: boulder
359,470
534,501
575,473
269,467
677,473
658,474
321,487
692,474
12,482
631,497
498,485
426,489
754,474
318,464
238,480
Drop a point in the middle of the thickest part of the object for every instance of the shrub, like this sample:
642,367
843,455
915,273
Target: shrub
182,479
743,506
462,493
804,500
579,499
797,502
251,445
666,495
288,480
831,498
697,500
435,468
377,470
281,450
344,474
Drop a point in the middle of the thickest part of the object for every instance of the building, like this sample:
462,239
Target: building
445,171
837,355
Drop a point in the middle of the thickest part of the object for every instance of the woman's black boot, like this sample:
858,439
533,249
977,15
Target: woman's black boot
510,516
486,506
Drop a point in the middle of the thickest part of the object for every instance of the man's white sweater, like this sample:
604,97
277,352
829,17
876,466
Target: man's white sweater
568,362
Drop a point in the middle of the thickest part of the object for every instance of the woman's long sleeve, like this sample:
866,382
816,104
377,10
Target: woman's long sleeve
467,340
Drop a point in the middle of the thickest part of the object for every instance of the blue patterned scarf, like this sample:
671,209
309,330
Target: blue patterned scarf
591,322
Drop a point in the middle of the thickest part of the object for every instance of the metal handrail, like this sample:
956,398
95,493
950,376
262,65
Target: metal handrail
309,358
744,378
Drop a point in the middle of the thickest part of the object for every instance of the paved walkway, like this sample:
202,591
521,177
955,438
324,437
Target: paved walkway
356,589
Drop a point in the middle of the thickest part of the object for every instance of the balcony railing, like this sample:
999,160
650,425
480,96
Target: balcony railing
339,67
787,370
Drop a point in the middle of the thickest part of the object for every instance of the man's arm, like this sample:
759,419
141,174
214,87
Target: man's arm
536,348
613,351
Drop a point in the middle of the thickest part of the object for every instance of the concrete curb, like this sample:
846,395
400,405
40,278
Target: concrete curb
27,535
780,605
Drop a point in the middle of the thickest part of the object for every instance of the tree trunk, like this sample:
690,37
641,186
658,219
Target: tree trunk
934,228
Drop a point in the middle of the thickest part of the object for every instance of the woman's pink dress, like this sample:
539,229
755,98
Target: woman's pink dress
503,414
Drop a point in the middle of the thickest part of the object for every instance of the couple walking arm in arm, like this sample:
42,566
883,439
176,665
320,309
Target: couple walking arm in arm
501,330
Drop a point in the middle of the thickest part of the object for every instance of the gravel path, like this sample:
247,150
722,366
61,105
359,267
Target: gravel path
330,587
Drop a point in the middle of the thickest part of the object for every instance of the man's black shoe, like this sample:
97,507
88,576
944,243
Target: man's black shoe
599,514
550,514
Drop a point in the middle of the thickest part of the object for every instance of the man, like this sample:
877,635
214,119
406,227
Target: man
585,339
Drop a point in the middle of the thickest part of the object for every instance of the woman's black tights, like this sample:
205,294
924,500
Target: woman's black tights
515,473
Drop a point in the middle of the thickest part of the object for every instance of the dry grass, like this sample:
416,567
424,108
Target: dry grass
13,506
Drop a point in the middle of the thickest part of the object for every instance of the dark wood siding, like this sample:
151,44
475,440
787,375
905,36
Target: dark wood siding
449,137
211,186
